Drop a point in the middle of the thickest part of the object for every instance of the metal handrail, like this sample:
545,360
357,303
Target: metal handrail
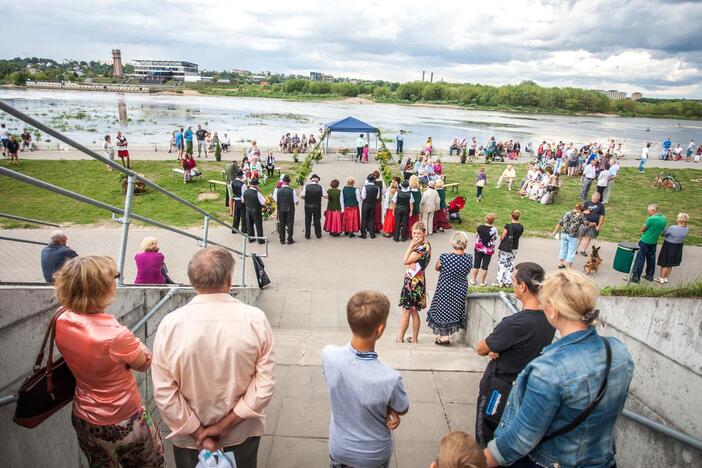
643,420
82,198
26,241
83,149
29,220
12,398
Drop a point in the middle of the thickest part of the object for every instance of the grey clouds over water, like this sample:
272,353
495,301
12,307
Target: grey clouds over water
653,46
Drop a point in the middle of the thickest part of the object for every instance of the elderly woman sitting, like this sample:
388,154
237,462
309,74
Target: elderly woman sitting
509,174
151,268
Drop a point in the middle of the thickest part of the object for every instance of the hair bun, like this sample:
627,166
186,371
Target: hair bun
590,316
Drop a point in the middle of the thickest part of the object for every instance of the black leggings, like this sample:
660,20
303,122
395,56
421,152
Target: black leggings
482,260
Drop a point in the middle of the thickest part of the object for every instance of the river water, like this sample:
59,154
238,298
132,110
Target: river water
149,119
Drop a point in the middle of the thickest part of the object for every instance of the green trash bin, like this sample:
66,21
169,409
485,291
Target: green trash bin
624,258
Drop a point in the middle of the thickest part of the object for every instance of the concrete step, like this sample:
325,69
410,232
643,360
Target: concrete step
303,347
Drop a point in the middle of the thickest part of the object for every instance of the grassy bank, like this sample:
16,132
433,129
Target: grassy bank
92,179
626,211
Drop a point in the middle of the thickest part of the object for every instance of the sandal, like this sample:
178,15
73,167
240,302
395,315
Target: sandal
410,340
660,280
483,285
440,342
399,340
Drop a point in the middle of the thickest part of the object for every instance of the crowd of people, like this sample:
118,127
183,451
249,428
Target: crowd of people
525,415
295,143
677,153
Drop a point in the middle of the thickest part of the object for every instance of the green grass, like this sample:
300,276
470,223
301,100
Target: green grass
691,290
92,179
626,211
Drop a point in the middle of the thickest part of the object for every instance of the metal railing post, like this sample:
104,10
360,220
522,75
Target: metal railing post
205,231
243,262
125,227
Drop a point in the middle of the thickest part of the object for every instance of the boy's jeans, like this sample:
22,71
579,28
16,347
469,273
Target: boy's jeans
641,165
333,464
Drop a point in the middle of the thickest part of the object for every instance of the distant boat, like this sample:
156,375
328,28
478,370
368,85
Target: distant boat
648,129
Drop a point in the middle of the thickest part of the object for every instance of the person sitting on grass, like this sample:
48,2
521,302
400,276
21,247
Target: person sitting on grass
367,397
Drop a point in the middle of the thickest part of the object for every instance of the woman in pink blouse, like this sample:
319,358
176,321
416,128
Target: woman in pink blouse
112,425
150,263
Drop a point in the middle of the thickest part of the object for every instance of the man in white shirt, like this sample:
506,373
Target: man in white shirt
613,174
213,367
589,174
644,156
360,141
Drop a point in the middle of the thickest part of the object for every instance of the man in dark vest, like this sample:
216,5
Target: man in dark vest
313,193
404,205
236,207
254,218
286,199
369,194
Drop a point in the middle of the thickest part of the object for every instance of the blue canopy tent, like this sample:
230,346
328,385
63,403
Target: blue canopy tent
351,125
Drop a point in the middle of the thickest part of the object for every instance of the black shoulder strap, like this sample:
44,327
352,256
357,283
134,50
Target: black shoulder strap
583,416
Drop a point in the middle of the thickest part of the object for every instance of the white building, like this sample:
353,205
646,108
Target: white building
165,70
613,94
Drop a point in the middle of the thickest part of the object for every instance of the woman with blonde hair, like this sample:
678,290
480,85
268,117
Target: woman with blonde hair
564,404
389,206
413,296
671,252
150,263
447,313
112,425
416,200
441,221
350,215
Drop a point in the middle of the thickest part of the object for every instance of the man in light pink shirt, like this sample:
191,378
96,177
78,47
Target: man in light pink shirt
213,367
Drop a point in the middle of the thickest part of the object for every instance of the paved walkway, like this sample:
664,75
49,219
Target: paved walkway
312,281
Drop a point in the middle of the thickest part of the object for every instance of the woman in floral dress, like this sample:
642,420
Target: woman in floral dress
413,297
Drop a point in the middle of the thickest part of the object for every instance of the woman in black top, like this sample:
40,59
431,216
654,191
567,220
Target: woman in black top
509,243
515,341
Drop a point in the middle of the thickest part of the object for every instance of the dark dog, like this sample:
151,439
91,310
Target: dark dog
593,263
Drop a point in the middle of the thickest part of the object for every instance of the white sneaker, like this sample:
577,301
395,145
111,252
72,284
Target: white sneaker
472,283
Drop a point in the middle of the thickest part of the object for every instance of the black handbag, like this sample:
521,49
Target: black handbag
507,242
260,269
49,388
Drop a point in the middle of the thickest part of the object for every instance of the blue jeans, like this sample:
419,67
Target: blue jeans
646,254
641,165
399,146
569,246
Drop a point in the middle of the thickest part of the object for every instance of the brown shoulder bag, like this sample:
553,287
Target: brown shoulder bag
47,389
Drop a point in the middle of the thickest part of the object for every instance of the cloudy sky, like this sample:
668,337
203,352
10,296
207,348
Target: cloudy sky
652,46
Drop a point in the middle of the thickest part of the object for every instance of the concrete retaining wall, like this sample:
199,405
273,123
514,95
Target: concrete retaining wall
663,337
24,315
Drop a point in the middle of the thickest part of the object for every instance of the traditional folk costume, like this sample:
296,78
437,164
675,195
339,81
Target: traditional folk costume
389,208
379,207
441,220
351,220
370,194
332,217
417,200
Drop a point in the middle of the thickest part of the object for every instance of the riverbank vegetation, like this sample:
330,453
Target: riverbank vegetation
524,97
92,179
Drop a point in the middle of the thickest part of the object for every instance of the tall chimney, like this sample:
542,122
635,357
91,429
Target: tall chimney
423,75
116,63
431,80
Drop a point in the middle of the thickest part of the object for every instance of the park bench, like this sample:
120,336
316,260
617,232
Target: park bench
214,183
179,171
453,186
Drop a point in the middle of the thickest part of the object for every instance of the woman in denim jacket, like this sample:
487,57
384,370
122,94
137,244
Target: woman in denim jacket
555,388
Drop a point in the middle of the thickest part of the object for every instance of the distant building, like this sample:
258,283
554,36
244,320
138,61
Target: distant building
116,63
636,96
164,70
224,80
327,78
613,94
316,76
259,77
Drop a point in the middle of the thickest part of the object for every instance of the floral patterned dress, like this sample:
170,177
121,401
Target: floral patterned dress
414,289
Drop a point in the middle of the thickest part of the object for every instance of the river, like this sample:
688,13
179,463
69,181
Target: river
150,118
